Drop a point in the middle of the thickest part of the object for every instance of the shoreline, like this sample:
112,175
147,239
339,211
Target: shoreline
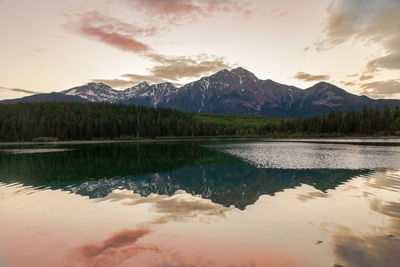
350,139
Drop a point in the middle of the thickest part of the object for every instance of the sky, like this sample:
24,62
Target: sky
49,45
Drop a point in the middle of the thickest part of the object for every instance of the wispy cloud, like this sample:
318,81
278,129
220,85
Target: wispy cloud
348,83
177,67
366,77
368,21
382,88
390,61
111,31
311,77
177,11
19,90
129,80
123,36
171,69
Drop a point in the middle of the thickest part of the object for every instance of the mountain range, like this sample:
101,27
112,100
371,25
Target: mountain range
236,91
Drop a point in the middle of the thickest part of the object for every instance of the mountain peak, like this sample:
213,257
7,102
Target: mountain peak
94,92
244,74
142,84
98,85
324,86
223,71
327,88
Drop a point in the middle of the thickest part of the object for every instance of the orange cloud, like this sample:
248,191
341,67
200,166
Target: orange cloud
174,68
366,77
171,68
310,77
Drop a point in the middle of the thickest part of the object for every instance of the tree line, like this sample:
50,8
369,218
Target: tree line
364,123
86,121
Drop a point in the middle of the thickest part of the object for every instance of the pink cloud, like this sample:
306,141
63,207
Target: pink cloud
178,10
121,41
111,31
118,248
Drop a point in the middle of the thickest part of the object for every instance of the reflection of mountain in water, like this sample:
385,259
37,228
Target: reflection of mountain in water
238,184
96,170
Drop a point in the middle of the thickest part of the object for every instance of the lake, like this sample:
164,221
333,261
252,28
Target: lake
178,204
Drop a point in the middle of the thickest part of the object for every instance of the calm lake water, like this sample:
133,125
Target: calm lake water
200,204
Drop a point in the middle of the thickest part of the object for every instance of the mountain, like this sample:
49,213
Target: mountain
50,97
94,92
236,91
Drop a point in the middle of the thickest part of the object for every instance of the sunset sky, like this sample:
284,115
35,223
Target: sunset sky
49,45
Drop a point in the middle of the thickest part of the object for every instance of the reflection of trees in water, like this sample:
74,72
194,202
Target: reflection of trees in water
95,170
92,162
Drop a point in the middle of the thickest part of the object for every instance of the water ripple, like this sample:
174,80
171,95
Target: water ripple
286,155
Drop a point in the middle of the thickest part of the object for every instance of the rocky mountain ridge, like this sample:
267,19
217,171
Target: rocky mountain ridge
236,91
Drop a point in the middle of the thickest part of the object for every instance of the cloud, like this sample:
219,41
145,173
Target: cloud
171,68
390,61
19,90
369,21
310,77
120,41
130,80
348,83
381,88
111,31
366,77
123,36
176,11
352,75
116,249
175,68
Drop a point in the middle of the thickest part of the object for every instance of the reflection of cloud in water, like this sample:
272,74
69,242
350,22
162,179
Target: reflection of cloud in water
387,180
391,209
112,251
311,195
354,250
122,249
179,207
381,248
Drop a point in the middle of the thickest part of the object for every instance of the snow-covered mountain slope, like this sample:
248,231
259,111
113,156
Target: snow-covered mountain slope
95,92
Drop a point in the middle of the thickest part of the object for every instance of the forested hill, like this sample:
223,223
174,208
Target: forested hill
86,121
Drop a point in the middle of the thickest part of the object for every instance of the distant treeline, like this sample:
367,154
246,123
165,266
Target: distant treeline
365,123
76,121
